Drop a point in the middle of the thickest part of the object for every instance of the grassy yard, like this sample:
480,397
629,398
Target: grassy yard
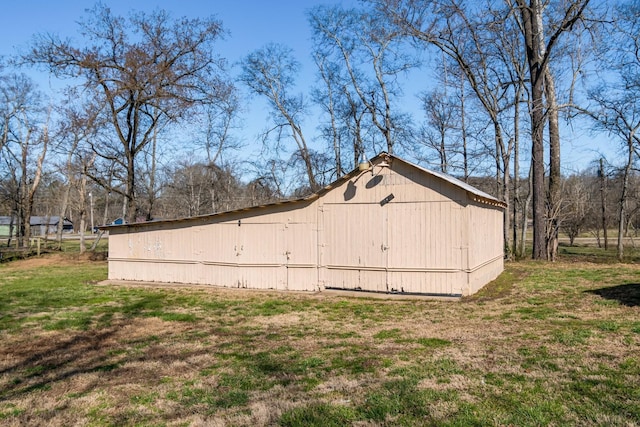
546,344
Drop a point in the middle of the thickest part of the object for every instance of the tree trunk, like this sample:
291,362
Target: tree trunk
83,225
83,212
131,208
65,196
152,176
534,45
105,213
516,170
63,210
553,220
537,163
443,151
504,160
23,220
306,157
525,214
623,198
603,205
538,56
463,129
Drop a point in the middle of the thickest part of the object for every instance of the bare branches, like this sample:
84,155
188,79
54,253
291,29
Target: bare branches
270,72
23,147
146,71
371,54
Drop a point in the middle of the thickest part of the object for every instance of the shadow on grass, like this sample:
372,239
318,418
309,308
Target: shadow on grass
47,361
628,294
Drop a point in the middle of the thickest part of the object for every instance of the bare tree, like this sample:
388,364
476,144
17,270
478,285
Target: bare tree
620,114
220,120
440,120
77,125
200,188
539,47
577,206
327,96
146,71
468,35
215,135
25,141
617,98
511,53
270,72
372,55
81,183
602,177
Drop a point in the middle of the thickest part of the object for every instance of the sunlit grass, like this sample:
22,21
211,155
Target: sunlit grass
544,344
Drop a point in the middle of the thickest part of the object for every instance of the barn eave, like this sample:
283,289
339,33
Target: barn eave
382,158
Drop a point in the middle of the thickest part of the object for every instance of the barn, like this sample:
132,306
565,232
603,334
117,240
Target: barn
387,227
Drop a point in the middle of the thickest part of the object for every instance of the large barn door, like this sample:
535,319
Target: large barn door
355,246
260,255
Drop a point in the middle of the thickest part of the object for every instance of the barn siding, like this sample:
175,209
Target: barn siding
486,251
244,252
422,230
389,229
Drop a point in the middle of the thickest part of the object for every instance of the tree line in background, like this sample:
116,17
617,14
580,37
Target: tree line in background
147,125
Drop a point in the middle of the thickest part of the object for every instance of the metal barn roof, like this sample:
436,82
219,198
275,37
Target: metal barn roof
478,195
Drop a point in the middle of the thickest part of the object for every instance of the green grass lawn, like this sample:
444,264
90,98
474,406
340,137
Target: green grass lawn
546,344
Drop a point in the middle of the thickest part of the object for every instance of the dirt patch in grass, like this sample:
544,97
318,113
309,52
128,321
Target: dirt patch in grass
53,259
41,261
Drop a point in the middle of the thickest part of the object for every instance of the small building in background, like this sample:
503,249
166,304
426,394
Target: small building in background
387,227
40,225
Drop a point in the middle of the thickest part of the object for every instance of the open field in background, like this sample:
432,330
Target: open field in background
590,253
545,344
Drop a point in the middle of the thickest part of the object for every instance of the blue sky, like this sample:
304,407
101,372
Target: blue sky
251,24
